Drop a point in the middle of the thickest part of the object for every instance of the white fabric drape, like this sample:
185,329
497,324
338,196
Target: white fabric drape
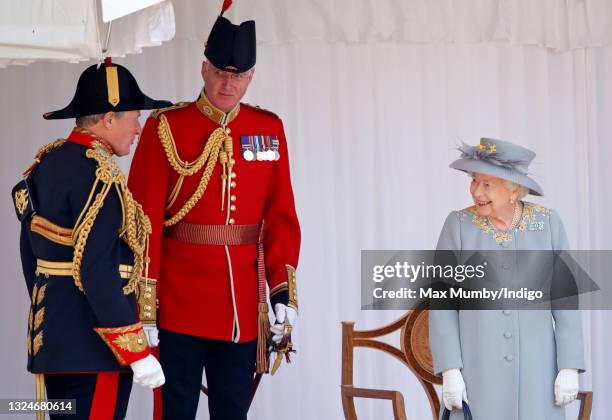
41,30
560,25
114,9
372,126
72,30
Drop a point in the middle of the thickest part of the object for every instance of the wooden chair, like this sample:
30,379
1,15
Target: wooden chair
415,354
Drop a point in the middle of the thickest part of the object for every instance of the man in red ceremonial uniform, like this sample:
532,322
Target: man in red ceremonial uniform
83,251
213,176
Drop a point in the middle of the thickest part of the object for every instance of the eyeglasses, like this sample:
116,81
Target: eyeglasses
221,74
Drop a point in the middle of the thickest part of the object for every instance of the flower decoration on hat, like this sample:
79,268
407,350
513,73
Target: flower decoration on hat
487,152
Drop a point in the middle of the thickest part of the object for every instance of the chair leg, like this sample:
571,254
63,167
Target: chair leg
586,405
399,411
348,405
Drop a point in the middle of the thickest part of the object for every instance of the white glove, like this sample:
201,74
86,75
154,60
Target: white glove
148,372
566,386
453,389
283,313
152,335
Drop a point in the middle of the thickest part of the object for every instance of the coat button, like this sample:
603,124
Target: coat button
231,221
506,312
232,208
509,358
233,184
233,175
233,198
508,334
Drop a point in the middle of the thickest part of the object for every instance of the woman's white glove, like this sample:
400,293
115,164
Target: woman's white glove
566,386
152,334
453,389
283,313
148,372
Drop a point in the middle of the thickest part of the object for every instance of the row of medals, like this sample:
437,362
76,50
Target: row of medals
266,155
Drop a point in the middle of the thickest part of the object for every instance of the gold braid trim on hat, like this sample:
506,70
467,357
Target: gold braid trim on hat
209,157
42,151
135,227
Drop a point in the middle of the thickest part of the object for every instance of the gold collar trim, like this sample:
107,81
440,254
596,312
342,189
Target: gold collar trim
214,113
527,222
89,139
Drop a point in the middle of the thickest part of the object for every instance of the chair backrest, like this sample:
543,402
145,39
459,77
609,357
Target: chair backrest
414,352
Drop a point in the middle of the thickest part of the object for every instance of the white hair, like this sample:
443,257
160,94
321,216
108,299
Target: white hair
512,186
89,120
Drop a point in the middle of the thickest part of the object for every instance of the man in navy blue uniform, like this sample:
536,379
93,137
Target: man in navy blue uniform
84,253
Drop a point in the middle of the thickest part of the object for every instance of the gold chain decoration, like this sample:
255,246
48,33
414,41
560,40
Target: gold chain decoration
167,140
136,225
210,150
226,159
42,151
138,231
83,229
218,147
210,155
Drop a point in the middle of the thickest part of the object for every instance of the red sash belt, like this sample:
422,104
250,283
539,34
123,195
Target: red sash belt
214,234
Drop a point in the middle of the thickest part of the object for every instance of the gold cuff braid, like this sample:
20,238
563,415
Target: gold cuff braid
292,287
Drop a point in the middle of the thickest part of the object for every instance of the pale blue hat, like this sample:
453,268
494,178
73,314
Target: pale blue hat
500,159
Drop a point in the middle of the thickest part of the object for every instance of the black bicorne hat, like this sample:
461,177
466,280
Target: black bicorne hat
105,88
231,47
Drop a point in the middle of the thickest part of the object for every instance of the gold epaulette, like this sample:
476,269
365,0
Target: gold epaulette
178,105
135,226
260,109
40,154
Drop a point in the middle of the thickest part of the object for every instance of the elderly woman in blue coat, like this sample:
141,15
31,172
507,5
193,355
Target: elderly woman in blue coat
513,364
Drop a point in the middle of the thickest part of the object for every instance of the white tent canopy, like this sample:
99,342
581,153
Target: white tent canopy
559,25
71,30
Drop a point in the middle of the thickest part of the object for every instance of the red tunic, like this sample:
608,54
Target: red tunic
194,281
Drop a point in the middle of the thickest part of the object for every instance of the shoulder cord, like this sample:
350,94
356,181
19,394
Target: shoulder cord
209,156
135,228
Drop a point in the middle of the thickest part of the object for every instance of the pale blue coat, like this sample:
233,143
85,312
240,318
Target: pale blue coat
509,358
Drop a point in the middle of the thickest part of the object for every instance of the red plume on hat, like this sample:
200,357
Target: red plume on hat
226,5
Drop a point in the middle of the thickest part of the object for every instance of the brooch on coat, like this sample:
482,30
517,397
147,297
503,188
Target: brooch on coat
533,226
